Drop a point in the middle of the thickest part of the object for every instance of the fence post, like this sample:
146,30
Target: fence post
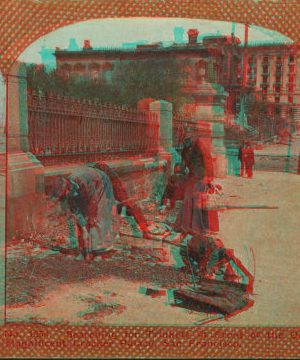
23,172
164,111
144,108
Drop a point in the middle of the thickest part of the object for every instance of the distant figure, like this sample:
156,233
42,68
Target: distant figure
229,155
249,160
241,157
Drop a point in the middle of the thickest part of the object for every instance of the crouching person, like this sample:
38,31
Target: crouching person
206,253
208,258
85,194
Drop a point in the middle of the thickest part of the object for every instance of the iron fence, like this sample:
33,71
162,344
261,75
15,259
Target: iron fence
63,125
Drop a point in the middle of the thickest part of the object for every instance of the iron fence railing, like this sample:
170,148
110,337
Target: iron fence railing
62,125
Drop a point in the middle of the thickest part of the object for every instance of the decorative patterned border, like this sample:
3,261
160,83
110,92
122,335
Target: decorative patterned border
23,22
149,342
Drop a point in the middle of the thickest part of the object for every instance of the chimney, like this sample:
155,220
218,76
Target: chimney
193,36
87,45
73,46
178,34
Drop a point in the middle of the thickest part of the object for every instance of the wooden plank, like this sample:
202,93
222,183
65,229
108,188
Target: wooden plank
228,302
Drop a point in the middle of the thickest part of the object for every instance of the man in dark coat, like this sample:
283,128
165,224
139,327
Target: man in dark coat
241,158
249,160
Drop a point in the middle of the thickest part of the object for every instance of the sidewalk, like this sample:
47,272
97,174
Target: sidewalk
266,241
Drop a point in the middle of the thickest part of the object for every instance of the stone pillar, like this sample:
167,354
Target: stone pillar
144,106
206,111
23,172
164,109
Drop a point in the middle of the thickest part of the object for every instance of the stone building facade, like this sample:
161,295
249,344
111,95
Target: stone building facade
272,71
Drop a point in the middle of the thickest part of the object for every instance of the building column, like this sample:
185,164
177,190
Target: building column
259,72
297,83
23,173
285,79
272,71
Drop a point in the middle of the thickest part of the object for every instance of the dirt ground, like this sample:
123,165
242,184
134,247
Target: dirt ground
134,283
129,285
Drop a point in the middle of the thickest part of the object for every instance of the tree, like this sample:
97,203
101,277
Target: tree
159,79
132,81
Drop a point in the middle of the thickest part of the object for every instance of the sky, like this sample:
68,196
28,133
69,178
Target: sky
115,32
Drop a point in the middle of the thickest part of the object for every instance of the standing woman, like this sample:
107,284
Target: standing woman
241,158
192,218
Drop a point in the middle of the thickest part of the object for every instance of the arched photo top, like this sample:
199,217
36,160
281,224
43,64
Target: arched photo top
141,33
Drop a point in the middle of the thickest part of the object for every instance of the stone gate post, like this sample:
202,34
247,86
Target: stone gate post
164,111
23,173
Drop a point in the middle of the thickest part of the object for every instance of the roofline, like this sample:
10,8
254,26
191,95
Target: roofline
128,53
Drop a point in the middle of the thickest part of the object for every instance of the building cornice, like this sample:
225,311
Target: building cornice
126,54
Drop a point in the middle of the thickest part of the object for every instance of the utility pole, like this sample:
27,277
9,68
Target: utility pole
244,80
230,71
245,62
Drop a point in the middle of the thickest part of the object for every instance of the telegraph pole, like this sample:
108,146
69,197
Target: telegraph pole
244,80
245,56
230,72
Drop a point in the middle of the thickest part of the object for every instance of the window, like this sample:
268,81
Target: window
292,58
277,87
265,79
277,98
